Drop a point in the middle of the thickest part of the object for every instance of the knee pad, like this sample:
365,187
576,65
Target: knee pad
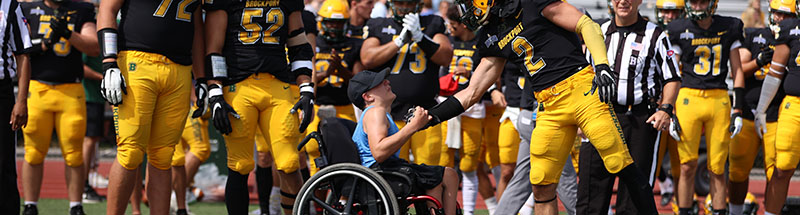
73,159
242,166
34,156
201,153
161,157
130,157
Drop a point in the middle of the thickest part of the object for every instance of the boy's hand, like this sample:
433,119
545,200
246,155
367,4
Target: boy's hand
420,118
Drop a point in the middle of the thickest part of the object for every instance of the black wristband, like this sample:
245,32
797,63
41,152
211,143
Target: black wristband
668,108
107,39
738,98
428,46
446,110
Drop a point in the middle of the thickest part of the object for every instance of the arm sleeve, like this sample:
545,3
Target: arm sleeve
665,57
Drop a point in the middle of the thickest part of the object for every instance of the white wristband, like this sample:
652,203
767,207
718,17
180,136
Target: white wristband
218,67
306,88
215,92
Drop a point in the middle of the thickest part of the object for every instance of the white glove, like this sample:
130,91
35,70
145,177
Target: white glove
736,124
402,38
113,84
411,22
761,124
675,129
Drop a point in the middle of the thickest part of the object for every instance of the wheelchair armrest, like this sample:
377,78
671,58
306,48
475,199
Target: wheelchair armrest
308,137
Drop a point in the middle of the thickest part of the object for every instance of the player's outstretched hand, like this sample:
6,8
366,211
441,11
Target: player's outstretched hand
113,84
220,109
761,124
411,22
201,91
675,128
736,124
306,104
605,82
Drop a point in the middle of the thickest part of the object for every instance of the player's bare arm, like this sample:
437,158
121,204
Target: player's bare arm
444,53
107,16
198,45
214,27
486,74
373,54
86,40
19,115
750,65
737,74
295,24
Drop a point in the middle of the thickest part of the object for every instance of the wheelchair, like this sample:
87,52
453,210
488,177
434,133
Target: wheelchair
344,186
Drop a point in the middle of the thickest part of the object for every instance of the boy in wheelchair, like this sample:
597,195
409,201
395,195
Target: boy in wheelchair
379,140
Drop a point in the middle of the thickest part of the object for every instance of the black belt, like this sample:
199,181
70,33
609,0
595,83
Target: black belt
630,109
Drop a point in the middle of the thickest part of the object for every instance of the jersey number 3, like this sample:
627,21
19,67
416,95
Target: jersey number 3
704,54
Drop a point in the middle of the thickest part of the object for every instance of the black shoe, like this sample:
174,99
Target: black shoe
666,198
181,212
30,210
90,196
77,210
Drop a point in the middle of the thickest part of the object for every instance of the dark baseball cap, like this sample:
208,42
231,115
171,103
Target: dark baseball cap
363,82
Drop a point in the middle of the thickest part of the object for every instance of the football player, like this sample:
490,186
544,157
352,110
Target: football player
64,30
192,150
705,44
359,14
247,43
414,47
669,10
538,35
149,81
337,59
787,48
470,131
756,55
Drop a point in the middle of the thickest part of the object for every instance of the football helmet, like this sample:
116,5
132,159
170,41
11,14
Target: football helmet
781,6
333,11
679,5
701,14
399,12
474,13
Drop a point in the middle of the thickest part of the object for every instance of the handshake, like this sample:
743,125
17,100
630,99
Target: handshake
419,119
412,32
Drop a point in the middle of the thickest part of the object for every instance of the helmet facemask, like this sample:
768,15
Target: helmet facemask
400,12
703,13
474,13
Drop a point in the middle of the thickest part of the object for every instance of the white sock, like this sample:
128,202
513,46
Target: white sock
666,186
491,204
73,204
275,200
469,191
768,213
31,203
734,209
496,174
527,208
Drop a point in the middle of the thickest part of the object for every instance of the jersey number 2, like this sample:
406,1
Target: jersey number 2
253,30
522,47
181,15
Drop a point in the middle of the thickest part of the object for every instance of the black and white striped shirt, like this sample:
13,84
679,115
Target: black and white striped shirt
641,56
14,36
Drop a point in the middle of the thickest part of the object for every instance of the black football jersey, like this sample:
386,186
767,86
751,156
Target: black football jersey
309,22
414,77
513,82
255,40
789,34
159,26
333,89
62,63
705,53
756,40
355,31
465,54
527,101
547,52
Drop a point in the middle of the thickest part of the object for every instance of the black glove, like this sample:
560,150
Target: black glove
220,109
764,57
201,91
306,104
606,81
59,28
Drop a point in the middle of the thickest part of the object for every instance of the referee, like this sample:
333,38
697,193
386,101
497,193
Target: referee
639,52
14,39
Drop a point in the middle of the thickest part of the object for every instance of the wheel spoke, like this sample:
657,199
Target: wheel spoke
325,206
351,195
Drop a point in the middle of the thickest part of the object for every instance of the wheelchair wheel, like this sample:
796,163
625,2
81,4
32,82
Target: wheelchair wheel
349,189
